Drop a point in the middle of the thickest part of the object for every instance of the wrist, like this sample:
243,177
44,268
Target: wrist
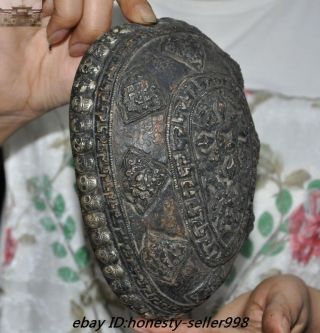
315,310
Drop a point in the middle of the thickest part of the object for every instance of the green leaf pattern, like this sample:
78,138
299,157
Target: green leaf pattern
69,228
67,274
82,257
265,224
48,224
53,221
247,248
315,184
40,189
59,205
284,201
59,250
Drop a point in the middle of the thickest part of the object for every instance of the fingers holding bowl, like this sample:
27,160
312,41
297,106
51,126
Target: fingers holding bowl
86,20
137,11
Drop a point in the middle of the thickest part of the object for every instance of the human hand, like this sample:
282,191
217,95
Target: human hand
281,304
34,79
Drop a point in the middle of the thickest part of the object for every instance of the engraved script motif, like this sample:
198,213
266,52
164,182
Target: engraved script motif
140,96
144,178
224,151
209,162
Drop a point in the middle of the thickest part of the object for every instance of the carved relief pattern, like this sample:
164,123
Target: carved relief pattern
207,153
191,146
143,179
140,96
185,48
162,253
161,305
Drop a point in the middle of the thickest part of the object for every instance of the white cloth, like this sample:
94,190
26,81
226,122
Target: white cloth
276,42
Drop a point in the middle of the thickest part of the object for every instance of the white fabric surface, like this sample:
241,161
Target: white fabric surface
276,42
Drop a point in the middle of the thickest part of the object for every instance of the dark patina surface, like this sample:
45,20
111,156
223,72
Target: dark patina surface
165,153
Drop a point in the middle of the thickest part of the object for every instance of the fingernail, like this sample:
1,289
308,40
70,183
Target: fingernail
146,14
58,36
78,50
285,325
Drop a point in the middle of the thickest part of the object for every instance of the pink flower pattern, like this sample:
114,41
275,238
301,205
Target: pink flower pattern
10,247
304,228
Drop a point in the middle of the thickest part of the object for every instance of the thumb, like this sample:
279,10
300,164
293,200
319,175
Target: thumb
277,304
266,308
287,306
277,316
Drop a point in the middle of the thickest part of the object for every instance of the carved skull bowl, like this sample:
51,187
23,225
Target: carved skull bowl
165,153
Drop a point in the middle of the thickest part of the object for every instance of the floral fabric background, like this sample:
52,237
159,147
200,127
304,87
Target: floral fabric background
47,271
